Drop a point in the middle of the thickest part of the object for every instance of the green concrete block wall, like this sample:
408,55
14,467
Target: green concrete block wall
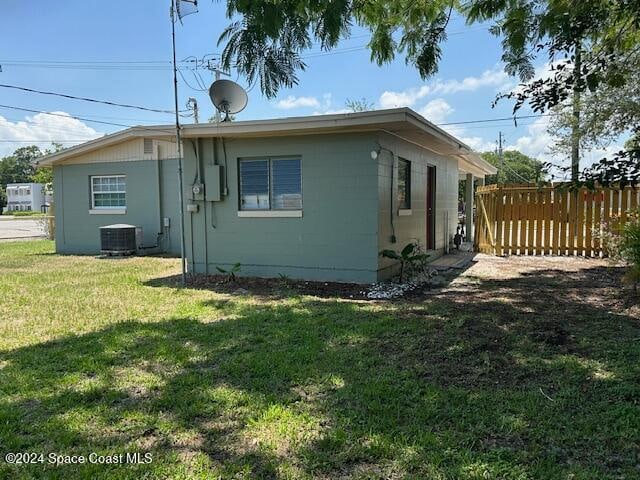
413,227
335,239
77,231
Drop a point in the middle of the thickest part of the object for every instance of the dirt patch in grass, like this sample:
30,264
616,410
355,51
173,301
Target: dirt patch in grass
268,287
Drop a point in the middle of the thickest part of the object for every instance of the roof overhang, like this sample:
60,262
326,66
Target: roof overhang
401,122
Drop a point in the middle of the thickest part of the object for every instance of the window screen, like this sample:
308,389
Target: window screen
404,184
254,184
108,191
271,184
286,190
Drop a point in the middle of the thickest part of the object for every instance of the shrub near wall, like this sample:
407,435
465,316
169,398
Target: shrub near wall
622,243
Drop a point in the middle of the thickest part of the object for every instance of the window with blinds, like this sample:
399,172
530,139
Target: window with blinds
270,184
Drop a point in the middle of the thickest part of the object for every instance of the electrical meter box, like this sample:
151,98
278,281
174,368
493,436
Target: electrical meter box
213,183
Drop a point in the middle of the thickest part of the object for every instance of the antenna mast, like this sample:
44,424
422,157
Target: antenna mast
179,145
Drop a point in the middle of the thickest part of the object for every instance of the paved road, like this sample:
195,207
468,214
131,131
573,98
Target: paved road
22,228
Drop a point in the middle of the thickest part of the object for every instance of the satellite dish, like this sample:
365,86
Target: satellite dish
228,97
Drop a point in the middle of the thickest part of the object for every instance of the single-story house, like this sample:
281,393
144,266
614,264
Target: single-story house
314,197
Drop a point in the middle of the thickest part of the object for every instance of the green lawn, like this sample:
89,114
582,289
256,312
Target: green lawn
533,375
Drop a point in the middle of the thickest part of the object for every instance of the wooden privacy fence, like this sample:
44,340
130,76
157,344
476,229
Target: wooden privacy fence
528,220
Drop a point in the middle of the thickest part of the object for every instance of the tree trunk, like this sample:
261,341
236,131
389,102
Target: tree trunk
575,128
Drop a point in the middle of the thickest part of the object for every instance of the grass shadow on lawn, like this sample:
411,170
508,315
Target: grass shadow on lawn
532,377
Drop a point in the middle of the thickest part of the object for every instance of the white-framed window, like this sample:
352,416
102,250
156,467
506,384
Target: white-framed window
108,192
404,184
271,183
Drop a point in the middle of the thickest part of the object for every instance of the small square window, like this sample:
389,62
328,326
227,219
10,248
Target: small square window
108,192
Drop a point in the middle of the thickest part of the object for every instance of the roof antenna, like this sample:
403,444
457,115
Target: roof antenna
228,97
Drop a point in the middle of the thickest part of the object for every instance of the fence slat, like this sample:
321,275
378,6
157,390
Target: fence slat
522,222
508,215
562,223
597,222
539,217
499,216
588,224
548,212
571,220
624,204
633,201
555,231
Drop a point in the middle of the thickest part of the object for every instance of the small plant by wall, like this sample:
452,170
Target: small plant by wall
412,258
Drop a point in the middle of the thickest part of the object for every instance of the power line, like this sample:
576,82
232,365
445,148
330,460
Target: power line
11,107
86,99
515,119
46,140
165,64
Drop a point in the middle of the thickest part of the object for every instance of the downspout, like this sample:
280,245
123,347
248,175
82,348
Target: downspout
215,162
197,179
159,182
204,213
393,228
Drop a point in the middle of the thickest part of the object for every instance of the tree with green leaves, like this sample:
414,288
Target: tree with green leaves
514,167
3,198
44,175
586,42
606,114
19,167
266,39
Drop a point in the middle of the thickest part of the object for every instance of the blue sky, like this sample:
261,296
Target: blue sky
136,34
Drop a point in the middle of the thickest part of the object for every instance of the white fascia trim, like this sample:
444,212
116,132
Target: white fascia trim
406,212
108,211
270,213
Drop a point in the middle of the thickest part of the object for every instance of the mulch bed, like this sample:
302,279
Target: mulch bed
276,287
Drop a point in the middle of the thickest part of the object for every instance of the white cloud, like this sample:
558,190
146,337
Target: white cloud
478,144
536,141
298,102
332,111
436,111
495,77
403,99
42,129
327,107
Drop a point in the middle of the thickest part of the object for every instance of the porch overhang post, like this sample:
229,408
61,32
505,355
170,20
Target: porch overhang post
468,207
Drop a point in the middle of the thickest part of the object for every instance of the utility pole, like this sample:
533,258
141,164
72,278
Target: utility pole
500,153
217,71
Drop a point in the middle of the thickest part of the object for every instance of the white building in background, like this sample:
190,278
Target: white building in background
25,197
